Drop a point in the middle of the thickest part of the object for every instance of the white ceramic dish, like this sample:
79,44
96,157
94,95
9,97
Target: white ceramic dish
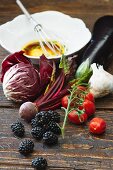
73,31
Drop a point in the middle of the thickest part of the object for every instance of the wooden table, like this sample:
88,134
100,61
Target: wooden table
79,149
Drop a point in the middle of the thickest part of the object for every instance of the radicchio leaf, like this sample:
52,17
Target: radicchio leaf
45,69
11,60
52,79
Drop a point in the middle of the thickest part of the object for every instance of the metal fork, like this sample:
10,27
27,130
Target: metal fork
44,38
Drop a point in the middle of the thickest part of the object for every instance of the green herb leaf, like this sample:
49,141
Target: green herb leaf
64,64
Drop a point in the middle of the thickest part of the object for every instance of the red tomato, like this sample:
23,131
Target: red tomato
64,101
97,125
74,118
90,97
89,107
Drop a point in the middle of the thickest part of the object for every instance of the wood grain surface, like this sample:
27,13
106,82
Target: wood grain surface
79,149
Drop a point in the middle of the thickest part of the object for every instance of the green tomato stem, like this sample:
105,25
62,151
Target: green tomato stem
66,113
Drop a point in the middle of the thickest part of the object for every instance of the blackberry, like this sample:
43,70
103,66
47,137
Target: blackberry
37,132
55,116
18,129
43,117
26,147
39,163
50,138
53,127
35,123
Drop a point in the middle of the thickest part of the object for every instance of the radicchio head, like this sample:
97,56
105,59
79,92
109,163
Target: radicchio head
21,83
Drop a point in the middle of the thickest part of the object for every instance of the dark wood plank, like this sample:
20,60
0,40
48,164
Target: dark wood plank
89,11
78,149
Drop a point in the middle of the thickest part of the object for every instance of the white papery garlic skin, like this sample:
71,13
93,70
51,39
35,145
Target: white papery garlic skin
101,82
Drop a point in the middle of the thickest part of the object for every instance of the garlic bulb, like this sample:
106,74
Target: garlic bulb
101,82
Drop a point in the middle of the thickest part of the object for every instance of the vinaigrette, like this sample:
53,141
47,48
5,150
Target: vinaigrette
34,49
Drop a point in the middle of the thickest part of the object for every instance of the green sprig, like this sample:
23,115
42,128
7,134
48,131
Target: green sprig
82,77
67,111
64,64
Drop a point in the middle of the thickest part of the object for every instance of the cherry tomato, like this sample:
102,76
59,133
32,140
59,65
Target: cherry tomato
89,107
64,101
97,125
90,96
74,118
